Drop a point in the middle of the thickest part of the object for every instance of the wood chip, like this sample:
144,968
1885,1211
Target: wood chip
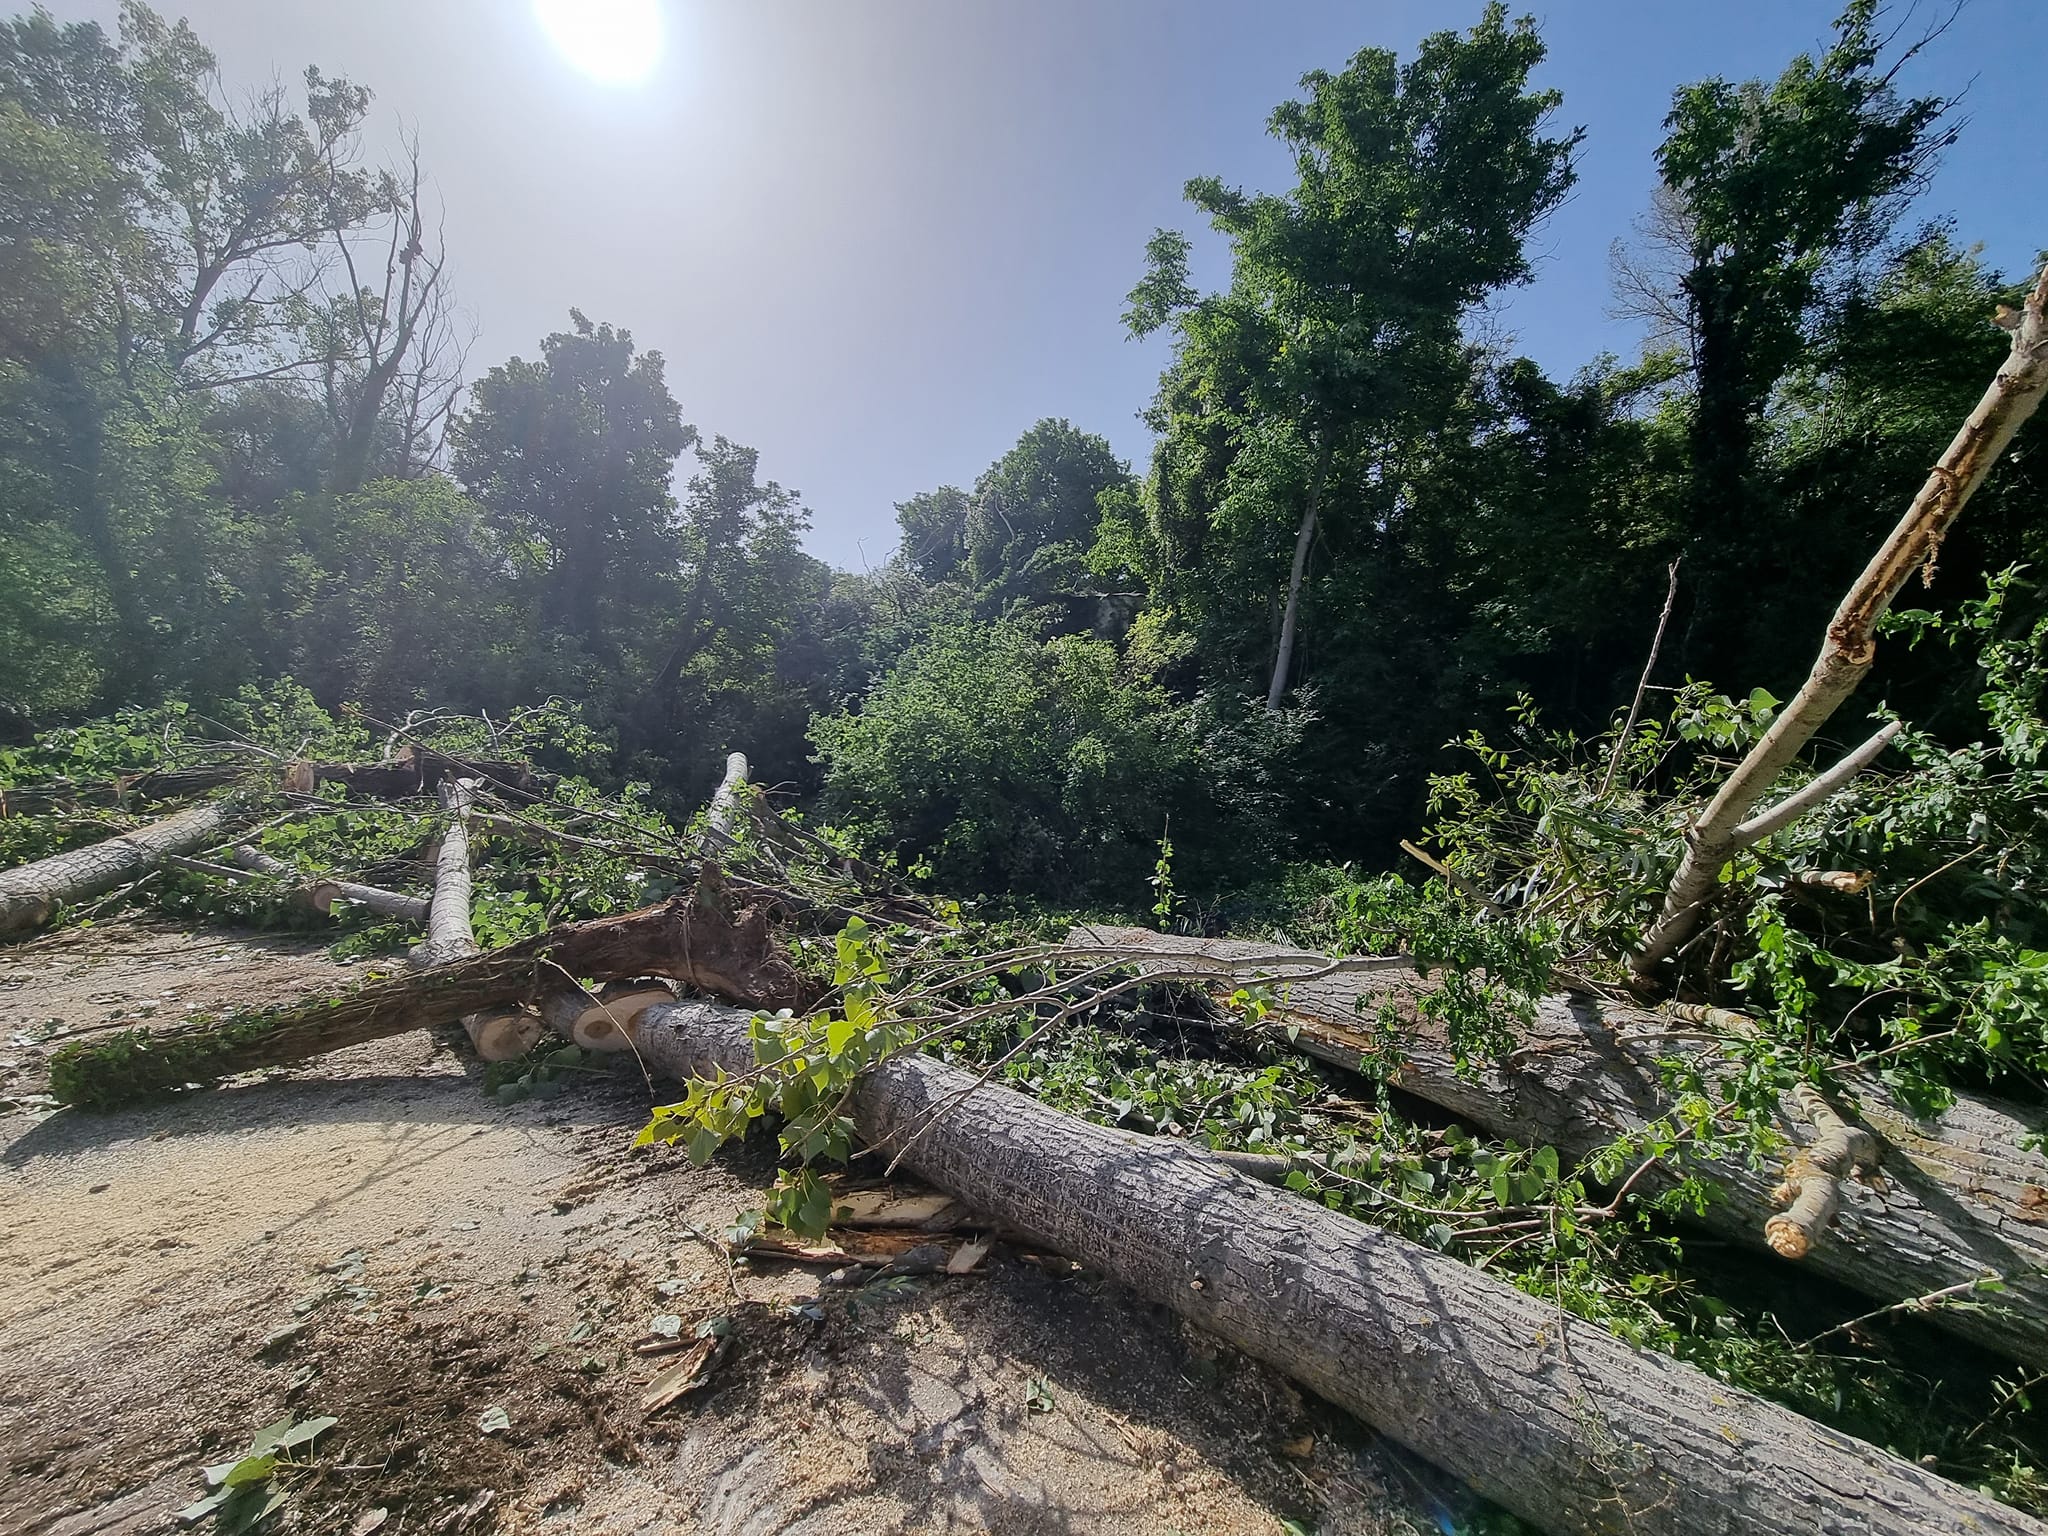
686,1375
969,1254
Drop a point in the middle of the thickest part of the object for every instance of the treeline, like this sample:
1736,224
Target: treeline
236,444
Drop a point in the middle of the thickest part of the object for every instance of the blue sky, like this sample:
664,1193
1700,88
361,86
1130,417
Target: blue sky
877,239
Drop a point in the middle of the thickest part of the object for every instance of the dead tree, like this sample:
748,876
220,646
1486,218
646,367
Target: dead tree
1555,1418
32,892
1727,824
1957,1198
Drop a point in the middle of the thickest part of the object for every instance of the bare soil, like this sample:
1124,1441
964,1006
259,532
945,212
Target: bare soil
372,1237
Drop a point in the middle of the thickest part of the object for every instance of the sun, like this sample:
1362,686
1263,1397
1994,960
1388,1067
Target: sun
615,42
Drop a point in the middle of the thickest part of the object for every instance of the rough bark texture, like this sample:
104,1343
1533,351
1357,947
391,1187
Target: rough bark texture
695,938
1955,1196
449,934
321,895
1851,643
31,893
1290,617
1556,1419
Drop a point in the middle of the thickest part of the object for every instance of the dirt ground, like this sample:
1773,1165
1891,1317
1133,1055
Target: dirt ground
371,1237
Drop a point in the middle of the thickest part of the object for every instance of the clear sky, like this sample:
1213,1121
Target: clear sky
877,239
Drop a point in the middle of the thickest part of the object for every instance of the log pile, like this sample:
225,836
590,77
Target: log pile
1551,1416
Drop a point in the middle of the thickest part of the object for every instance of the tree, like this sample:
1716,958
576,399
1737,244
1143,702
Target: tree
1775,185
1415,187
574,452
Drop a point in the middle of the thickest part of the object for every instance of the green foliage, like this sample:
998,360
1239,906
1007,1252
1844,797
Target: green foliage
806,1068
1037,766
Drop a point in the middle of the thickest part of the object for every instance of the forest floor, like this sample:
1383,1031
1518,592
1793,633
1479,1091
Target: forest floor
369,1236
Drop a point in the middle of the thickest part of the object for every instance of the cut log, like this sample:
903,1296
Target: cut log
1553,1417
1951,1203
32,892
449,934
722,817
418,772
607,1022
503,1034
321,895
695,938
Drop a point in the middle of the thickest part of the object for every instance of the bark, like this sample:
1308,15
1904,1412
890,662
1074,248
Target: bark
1851,645
321,895
1553,1417
449,934
420,772
32,892
1957,1195
727,806
699,939
1290,618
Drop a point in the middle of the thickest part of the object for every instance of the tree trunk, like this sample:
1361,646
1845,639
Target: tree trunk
1959,1196
723,814
1851,645
321,895
697,938
1553,1417
1283,658
449,934
30,893
411,773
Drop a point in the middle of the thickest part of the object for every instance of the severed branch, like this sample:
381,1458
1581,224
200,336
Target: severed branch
321,895
1851,644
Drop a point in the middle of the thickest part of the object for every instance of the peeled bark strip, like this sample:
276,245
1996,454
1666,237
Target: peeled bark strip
449,934
1851,643
31,893
1952,1200
321,895
1552,1417
694,938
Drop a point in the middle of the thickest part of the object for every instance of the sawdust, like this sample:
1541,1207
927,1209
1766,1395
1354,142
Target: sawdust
369,1236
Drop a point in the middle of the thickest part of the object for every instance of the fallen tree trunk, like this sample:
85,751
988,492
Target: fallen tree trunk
1959,1197
450,937
31,893
503,1034
695,938
128,789
321,895
727,804
410,773
1553,1417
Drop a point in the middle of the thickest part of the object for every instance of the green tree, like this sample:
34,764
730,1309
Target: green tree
1290,394
1774,186
574,452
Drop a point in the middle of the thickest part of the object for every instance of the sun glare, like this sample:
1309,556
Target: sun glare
617,42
